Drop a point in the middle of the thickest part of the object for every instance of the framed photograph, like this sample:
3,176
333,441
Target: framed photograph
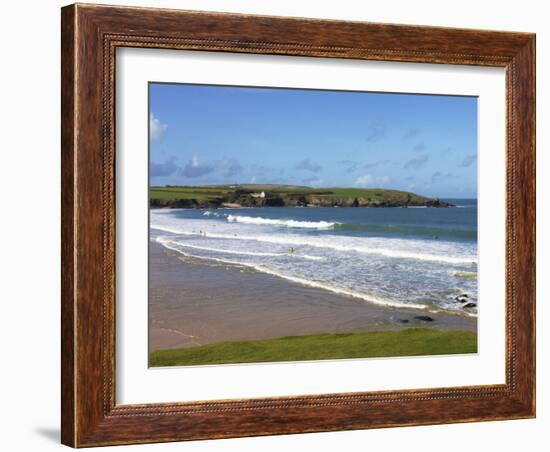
281,225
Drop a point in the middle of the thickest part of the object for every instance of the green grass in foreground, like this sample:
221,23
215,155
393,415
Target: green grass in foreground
407,342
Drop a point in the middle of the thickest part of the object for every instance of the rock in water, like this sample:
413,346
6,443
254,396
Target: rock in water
424,318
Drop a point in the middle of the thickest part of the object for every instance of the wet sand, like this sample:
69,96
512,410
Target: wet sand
195,303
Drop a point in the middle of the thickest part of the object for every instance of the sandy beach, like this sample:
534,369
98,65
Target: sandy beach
196,303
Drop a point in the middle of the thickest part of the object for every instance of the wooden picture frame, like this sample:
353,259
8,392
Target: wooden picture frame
90,36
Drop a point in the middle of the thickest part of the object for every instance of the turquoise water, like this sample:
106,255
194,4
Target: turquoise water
416,257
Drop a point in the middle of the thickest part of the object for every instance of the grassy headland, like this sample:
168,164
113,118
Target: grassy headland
406,342
270,195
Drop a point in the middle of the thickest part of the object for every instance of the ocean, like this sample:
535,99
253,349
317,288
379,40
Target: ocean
420,258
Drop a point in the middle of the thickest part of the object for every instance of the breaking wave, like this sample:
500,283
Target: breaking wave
281,222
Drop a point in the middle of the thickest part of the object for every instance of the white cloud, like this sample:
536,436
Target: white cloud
231,167
167,168
156,128
364,181
314,181
195,168
371,181
308,165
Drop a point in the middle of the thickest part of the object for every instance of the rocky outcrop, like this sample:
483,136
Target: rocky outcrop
437,203
464,301
245,199
299,201
424,318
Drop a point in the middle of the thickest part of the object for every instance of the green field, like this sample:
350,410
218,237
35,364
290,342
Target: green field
288,194
187,192
225,191
406,342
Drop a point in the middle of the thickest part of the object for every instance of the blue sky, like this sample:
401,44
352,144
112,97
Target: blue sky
202,135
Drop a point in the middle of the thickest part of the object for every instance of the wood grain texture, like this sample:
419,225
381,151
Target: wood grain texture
90,36
68,244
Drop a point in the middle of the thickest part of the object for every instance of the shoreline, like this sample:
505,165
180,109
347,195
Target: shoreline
193,303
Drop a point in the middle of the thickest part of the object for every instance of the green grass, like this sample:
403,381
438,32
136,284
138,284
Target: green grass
225,191
375,194
406,342
221,191
188,192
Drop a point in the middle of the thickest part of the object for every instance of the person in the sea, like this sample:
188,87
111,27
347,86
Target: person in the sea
291,250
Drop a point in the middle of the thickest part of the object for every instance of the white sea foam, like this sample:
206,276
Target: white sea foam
392,271
280,222
334,243
165,240
319,285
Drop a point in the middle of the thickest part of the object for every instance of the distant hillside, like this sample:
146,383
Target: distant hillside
271,195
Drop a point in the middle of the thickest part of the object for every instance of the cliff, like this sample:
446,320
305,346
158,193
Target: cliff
249,195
